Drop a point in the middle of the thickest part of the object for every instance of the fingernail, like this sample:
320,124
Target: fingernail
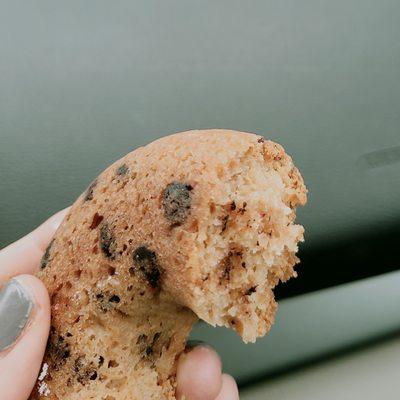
15,308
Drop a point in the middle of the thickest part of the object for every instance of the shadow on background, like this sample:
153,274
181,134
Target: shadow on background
346,350
372,252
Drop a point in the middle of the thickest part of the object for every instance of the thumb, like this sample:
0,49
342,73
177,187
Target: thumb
24,328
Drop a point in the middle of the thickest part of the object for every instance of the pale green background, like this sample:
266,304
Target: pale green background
84,82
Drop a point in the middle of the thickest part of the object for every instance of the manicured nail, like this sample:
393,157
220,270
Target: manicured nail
15,308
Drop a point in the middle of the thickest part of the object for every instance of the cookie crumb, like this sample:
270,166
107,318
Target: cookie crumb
43,374
43,389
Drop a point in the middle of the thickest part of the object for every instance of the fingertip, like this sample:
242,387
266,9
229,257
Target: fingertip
229,389
55,220
199,374
26,335
44,232
23,256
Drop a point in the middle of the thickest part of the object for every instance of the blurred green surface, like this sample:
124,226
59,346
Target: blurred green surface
369,373
82,83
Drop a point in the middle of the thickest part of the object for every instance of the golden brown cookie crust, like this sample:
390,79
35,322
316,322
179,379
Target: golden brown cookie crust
197,224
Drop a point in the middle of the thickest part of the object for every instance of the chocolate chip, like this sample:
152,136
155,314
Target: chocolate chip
84,370
261,140
107,302
149,350
46,256
89,191
101,360
78,364
58,350
68,334
156,336
224,222
93,376
96,221
251,290
226,266
141,338
145,261
115,299
104,305
112,364
242,209
122,169
66,354
150,347
63,348
233,206
107,241
176,202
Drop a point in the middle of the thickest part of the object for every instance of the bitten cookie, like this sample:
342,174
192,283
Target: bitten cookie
195,225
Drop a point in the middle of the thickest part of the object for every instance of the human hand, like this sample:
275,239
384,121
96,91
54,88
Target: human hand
25,323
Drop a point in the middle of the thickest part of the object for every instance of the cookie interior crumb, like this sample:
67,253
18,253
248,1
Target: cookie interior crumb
198,224
247,243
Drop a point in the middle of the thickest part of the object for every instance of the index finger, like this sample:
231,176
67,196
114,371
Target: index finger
23,256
